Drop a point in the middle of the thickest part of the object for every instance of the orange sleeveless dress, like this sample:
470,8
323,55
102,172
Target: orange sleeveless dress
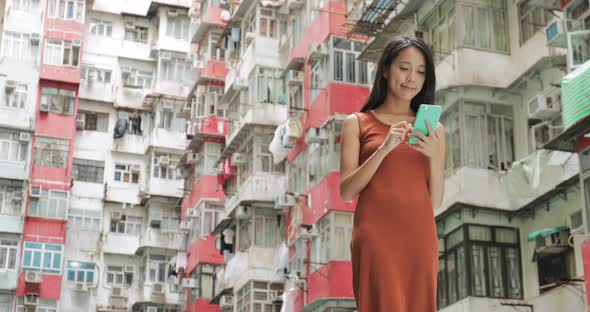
394,245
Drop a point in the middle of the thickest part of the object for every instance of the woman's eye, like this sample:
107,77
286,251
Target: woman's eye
421,73
402,68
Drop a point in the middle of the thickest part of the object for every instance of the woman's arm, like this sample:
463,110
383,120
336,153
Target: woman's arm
436,181
354,178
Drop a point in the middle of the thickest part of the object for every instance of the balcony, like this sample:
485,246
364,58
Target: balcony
211,18
161,293
11,224
156,238
333,280
256,264
132,144
206,127
260,114
167,138
124,244
165,187
214,70
259,187
14,170
8,280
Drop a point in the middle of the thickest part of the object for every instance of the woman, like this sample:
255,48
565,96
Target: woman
394,244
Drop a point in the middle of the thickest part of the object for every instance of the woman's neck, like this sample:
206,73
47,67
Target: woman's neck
394,106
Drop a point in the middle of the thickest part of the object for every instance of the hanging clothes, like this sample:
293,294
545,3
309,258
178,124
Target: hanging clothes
294,129
235,34
276,146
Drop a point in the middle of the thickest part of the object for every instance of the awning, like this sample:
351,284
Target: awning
546,232
224,224
225,292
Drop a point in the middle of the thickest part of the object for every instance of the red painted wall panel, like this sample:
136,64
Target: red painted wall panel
333,280
49,288
203,250
214,69
44,230
202,305
586,263
52,25
213,16
205,188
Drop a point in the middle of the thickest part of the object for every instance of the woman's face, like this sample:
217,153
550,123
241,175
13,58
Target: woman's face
407,74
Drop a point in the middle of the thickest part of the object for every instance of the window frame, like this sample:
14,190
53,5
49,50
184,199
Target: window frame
13,142
42,252
79,165
48,200
49,147
131,169
8,251
65,50
125,274
127,225
18,97
10,39
60,101
87,269
78,8
107,27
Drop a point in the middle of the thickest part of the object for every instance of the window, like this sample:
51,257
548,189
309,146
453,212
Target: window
176,69
205,274
127,173
171,120
164,166
21,5
11,147
212,153
58,52
11,197
484,25
8,251
270,88
60,101
131,225
16,45
92,74
486,128
51,152
81,272
318,78
297,179
345,61
268,23
83,219
92,121
15,97
101,28
208,217
136,78
493,269
88,170
260,230
256,296
42,305
136,33
6,303
157,268
51,204
532,20
42,257
178,27
66,9
119,275
552,270
333,241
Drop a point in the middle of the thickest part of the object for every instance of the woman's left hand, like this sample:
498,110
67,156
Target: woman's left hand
428,145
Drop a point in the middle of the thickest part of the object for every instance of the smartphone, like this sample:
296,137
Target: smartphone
426,112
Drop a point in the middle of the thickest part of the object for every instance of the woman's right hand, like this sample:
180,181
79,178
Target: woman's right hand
396,135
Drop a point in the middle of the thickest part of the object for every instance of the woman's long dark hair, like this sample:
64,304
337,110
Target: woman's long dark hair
390,53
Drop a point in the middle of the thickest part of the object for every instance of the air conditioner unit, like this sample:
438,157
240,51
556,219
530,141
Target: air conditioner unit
152,309
238,159
284,201
317,50
164,160
34,192
10,85
307,234
545,104
553,244
189,283
118,292
24,137
76,42
44,107
81,287
315,135
166,56
167,104
544,132
80,122
249,37
158,289
295,4
33,277
192,158
556,32
276,295
185,225
116,215
198,64
31,299
155,219
172,12
227,301
35,37
243,212
576,223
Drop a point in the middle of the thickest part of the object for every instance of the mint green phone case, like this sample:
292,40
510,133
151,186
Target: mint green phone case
426,112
